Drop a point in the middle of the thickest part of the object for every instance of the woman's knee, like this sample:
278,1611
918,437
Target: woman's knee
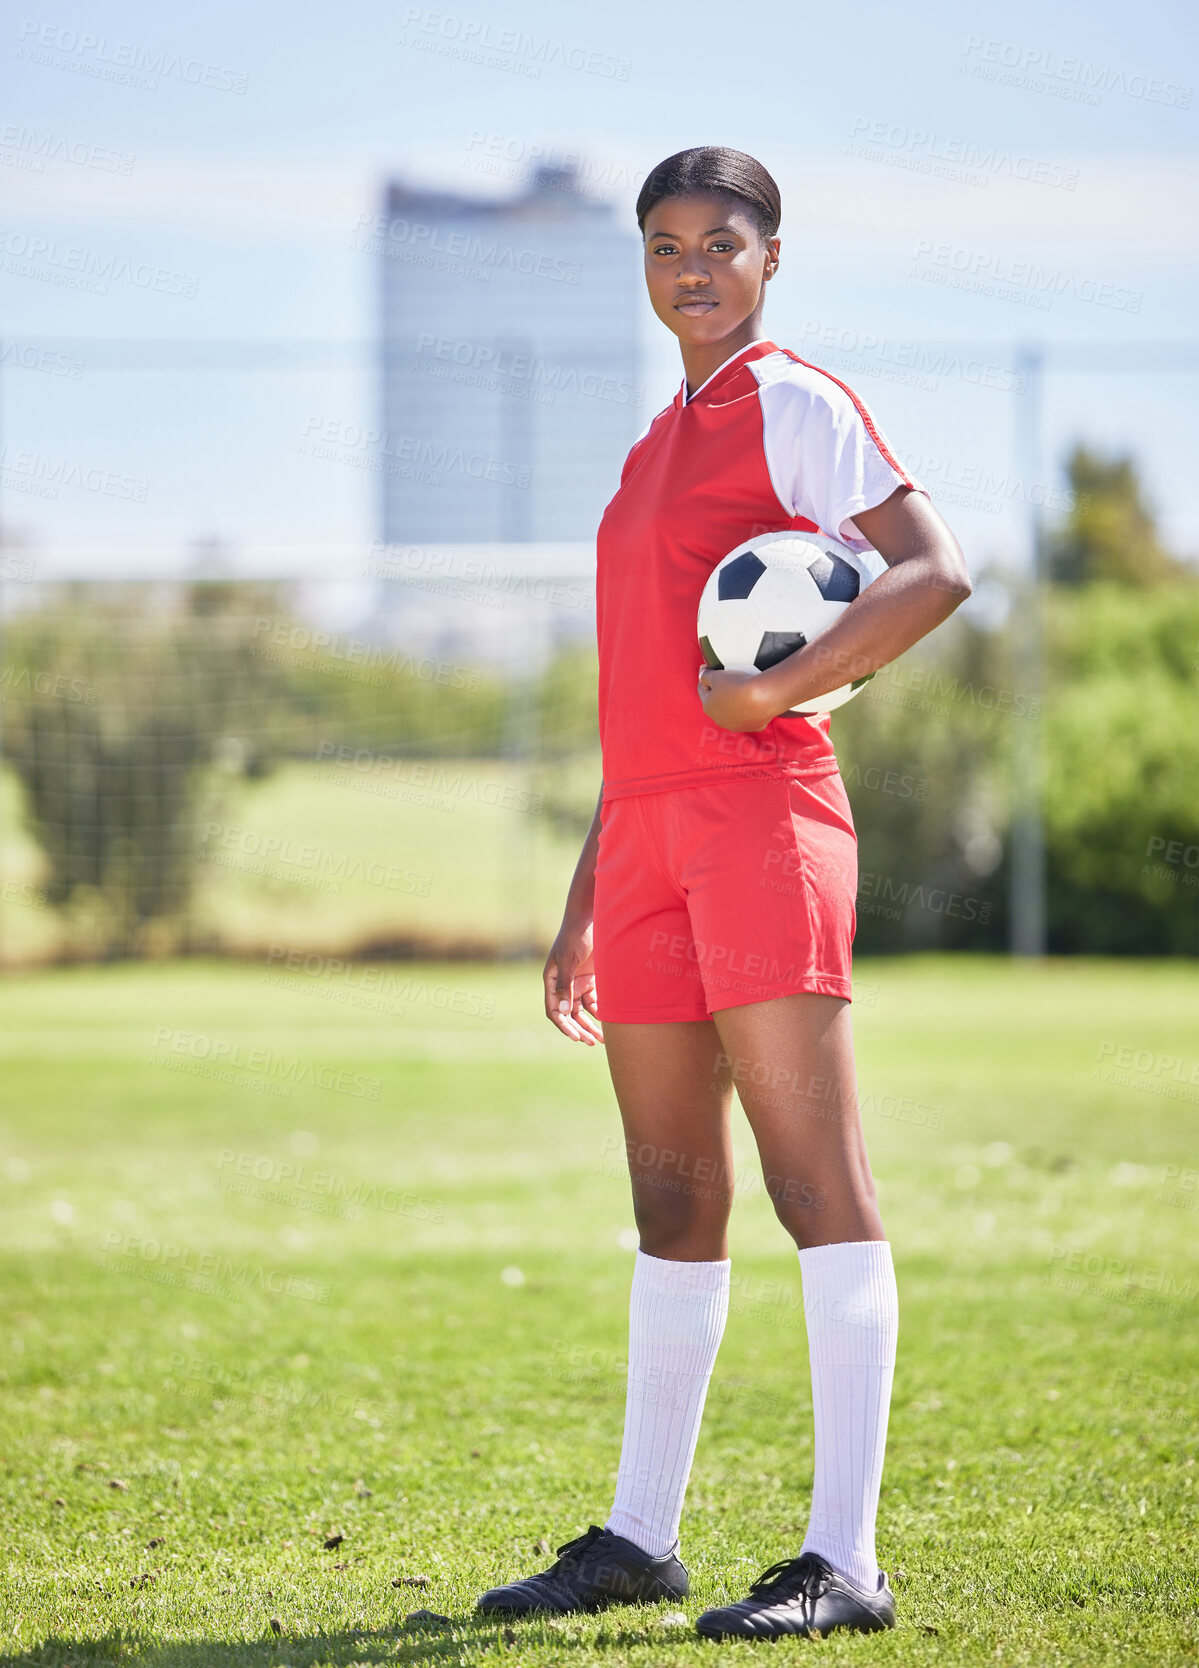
819,1214
679,1218
800,1210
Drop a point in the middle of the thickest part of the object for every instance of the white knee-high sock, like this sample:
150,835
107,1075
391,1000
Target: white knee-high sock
677,1313
851,1307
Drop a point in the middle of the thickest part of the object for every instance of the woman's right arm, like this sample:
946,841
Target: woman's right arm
568,974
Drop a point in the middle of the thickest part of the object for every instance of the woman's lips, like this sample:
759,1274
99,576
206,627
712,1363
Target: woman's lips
696,304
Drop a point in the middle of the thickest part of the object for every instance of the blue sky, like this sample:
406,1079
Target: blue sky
942,170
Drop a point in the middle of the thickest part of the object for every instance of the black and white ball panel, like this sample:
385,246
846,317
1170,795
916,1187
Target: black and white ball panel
739,577
835,579
774,594
776,646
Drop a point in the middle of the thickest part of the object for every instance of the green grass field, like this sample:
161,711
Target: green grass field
350,1257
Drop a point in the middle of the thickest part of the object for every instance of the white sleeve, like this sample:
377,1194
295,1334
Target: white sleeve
827,457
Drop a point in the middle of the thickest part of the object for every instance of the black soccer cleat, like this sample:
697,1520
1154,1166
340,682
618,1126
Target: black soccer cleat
804,1595
597,1569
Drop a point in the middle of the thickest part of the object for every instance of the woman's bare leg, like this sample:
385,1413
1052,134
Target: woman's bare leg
791,1060
675,1101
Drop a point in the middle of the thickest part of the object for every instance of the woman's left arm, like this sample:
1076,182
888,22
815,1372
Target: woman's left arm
926,580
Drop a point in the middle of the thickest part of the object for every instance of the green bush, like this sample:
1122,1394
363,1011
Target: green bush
1121,779
118,703
1122,789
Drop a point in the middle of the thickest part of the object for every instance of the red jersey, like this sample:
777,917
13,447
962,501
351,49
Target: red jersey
768,444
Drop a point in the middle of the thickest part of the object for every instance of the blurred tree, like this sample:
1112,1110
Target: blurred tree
119,700
924,752
1122,784
565,770
388,700
1109,532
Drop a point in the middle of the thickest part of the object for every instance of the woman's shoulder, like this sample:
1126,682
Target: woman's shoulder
789,370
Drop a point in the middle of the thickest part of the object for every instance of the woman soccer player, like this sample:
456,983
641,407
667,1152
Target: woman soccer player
707,930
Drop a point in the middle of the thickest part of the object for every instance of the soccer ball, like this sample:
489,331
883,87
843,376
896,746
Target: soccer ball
775,593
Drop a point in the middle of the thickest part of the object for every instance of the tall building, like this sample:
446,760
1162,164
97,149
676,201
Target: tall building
510,394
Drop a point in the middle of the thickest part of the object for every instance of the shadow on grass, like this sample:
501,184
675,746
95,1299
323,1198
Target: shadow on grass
425,1643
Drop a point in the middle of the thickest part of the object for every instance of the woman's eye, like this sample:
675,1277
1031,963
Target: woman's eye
672,248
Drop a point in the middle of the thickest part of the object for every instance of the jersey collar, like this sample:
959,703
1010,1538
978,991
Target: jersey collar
762,342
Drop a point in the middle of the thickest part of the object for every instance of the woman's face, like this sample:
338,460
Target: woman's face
706,265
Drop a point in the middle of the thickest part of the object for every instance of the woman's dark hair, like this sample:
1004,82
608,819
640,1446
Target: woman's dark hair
714,168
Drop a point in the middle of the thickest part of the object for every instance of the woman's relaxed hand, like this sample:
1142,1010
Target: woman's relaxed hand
570,985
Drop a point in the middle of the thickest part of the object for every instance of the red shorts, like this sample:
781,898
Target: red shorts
732,892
